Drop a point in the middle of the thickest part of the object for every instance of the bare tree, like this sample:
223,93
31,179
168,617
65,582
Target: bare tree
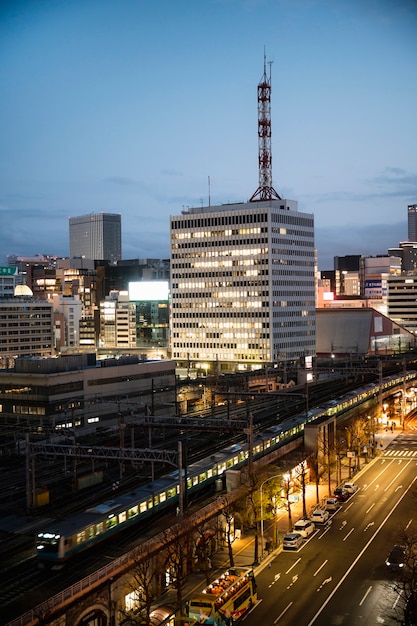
300,475
177,554
143,586
405,584
227,512
204,546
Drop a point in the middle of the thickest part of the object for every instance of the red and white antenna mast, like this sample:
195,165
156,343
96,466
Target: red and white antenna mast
265,190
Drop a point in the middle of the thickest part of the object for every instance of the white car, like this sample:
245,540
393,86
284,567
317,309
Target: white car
331,504
320,516
305,527
351,487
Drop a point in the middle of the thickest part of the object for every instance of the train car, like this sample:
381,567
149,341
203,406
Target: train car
63,539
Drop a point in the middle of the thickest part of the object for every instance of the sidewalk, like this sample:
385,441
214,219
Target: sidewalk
244,548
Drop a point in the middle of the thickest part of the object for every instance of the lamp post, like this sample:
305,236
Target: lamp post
262,511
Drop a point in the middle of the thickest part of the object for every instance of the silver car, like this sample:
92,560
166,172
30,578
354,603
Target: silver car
292,541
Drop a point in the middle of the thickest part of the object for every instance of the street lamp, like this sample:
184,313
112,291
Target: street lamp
262,511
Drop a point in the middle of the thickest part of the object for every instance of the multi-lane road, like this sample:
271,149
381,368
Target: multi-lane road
339,576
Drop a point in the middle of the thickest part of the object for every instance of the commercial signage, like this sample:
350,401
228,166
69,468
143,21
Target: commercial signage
8,271
149,291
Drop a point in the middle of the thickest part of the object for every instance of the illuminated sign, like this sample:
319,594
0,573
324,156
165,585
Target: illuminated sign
149,290
8,271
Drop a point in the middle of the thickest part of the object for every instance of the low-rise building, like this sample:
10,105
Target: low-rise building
79,391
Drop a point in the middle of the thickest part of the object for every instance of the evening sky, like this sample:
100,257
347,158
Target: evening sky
145,108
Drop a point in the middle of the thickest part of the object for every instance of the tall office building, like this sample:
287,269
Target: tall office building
242,285
96,236
412,222
243,275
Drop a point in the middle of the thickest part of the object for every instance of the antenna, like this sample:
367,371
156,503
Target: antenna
209,191
265,190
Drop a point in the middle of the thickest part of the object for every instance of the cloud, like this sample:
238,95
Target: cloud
168,172
396,176
371,240
120,180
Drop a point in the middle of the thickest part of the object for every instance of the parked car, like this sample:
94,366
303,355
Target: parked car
305,527
351,487
331,504
292,541
396,558
320,516
341,494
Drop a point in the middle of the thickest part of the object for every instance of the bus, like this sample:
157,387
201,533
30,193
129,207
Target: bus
225,600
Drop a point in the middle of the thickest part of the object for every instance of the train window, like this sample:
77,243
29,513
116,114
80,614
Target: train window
142,507
195,480
133,511
122,517
221,468
210,473
111,522
189,483
202,477
172,492
162,496
90,532
81,537
99,528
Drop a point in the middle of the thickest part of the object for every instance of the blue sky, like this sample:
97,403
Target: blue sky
129,106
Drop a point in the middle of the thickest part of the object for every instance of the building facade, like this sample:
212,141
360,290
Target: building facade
79,391
26,328
412,222
117,322
242,285
402,300
96,236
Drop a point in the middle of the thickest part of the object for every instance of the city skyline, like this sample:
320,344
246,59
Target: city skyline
144,110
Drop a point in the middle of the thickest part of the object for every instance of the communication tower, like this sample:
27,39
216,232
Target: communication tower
265,190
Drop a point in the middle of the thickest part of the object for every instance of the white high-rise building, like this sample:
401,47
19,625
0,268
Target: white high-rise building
242,285
96,236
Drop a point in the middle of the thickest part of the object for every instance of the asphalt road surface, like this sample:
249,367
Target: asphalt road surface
339,577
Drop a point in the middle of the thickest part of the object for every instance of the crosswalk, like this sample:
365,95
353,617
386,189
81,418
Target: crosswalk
400,453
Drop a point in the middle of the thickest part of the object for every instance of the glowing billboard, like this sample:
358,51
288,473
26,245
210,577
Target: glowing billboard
148,290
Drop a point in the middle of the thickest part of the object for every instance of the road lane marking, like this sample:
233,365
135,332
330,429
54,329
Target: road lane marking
293,565
322,565
365,596
276,579
325,581
293,581
283,612
370,508
397,598
397,476
368,543
346,536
